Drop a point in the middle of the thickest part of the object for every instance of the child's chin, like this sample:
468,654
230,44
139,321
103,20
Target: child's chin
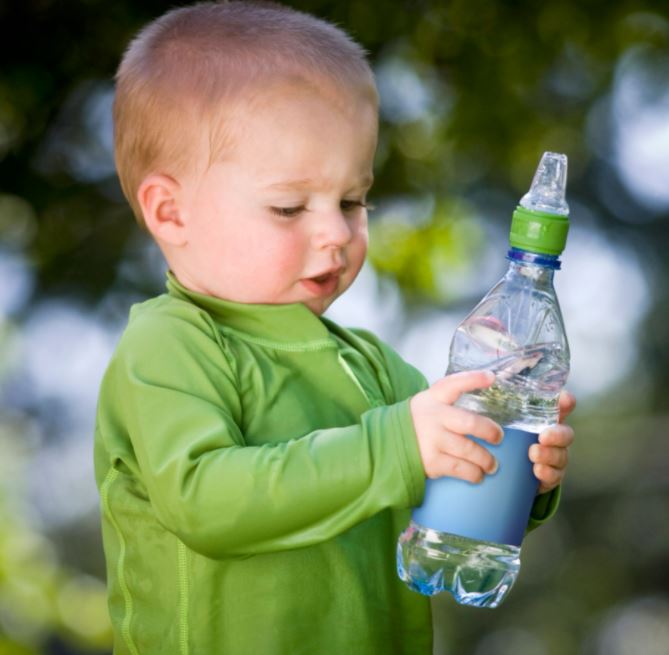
319,305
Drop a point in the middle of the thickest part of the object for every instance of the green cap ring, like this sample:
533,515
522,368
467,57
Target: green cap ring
538,231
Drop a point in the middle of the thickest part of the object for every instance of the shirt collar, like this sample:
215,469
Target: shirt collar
287,323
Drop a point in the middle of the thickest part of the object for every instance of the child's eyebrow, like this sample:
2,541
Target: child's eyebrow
364,182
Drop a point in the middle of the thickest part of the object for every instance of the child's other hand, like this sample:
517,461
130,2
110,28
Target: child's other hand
441,429
550,454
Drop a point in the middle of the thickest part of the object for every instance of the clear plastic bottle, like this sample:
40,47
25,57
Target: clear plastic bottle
466,537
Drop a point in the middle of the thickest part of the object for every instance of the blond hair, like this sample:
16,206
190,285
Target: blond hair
187,70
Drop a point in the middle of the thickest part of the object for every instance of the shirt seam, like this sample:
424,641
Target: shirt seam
184,599
349,372
371,351
305,346
111,476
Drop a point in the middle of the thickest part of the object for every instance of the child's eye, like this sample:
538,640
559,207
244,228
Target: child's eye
287,212
349,205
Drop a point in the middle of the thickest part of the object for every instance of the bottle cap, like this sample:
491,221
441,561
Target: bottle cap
541,221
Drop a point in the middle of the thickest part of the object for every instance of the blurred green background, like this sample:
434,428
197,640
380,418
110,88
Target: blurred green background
473,91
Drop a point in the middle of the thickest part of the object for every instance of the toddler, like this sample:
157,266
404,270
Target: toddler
256,462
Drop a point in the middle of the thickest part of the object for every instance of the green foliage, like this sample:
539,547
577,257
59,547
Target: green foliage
425,257
39,596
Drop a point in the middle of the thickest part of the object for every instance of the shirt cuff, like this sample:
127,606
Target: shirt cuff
544,507
411,462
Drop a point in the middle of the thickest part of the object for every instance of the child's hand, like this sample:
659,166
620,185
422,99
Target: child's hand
550,454
441,429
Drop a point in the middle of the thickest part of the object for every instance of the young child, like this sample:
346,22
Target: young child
256,462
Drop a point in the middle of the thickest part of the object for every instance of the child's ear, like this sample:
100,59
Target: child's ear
159,198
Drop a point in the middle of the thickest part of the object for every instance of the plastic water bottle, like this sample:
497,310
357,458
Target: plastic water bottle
466,538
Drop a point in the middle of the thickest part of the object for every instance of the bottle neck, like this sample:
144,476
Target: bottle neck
536,259
536,266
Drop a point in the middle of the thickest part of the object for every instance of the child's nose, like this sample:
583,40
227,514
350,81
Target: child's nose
332,229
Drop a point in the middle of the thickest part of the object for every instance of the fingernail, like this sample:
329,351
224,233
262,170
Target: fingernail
494,469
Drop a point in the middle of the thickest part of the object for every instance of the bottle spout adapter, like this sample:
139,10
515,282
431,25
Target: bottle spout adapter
541,221
547,193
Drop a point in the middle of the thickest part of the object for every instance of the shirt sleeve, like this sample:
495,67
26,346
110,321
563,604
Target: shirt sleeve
176,399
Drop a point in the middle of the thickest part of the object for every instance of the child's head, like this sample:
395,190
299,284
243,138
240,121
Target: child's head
245,134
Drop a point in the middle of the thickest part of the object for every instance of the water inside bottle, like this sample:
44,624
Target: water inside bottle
476,573
528,378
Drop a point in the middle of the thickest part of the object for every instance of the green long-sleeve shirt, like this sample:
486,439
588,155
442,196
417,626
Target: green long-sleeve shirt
255,464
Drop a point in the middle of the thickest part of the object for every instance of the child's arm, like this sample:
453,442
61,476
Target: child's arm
169,416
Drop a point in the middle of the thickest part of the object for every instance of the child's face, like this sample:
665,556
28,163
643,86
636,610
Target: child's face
280,219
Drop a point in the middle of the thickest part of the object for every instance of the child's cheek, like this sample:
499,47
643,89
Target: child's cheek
359,244
288,252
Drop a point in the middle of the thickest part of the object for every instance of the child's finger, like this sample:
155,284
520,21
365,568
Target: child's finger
561,436
463,421
461,447
548,477
566,404
451,387
550,456
454,467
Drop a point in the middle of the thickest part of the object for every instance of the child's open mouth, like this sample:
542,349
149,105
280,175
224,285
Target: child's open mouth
322,285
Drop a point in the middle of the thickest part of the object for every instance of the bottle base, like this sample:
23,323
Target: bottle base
475,573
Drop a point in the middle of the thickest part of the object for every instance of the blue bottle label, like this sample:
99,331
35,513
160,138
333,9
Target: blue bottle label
496,509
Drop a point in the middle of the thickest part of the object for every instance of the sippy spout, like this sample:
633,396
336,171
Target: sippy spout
547,193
